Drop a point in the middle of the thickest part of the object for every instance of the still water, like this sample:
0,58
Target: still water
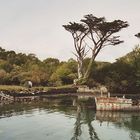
40,121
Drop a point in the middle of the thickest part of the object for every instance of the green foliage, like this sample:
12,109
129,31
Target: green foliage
17,69
65,73
51,64
122,76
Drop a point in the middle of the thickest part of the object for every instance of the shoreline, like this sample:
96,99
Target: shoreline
18,93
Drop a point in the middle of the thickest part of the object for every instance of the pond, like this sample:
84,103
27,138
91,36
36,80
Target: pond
43,121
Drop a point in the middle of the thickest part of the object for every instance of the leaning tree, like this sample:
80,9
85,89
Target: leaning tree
101,33
97,30
79,32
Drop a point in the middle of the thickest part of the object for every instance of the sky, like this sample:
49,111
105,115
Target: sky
35,26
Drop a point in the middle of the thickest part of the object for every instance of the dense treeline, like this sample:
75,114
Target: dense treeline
121,76
16,69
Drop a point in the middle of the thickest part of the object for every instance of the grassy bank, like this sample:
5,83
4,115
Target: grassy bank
19,88
37,90
12,88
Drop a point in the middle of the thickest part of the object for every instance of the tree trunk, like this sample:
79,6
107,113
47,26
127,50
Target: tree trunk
88,71
80,68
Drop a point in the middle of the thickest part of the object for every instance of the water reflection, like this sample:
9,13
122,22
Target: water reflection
80,122
84,116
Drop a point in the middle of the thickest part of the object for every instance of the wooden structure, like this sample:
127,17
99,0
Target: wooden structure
115,104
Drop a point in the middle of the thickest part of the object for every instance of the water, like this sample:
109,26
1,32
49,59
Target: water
40,121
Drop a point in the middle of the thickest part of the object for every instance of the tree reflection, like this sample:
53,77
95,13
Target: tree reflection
84,116
92,133
77,128
84,126
133,136
127,120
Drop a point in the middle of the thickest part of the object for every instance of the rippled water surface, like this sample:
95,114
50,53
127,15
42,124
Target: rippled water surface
38,121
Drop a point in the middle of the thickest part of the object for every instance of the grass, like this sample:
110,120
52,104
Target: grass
12,88
22,88
59,87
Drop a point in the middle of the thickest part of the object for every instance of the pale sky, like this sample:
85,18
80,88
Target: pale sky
35,26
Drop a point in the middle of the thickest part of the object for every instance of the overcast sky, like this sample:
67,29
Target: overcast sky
35,26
